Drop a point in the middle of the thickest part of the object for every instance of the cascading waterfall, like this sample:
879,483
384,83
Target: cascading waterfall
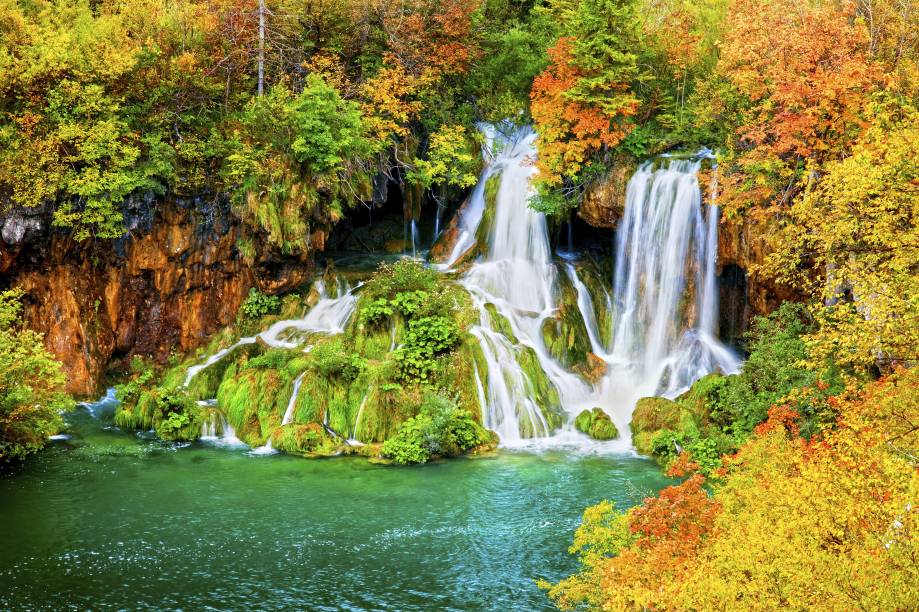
663,236
655,351
328,316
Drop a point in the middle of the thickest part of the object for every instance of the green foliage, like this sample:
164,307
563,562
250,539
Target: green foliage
451,159
179,417
31,385
288,144
257,304
333,359
405,275
426,338
441,429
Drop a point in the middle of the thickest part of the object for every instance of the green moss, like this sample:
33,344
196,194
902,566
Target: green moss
596,424
308,440
254,401
541,390
500,323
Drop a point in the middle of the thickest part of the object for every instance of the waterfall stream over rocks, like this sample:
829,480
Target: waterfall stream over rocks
646,328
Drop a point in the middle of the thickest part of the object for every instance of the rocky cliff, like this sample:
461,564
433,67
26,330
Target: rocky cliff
176,277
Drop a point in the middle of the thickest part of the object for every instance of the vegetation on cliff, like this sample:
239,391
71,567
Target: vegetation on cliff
31,385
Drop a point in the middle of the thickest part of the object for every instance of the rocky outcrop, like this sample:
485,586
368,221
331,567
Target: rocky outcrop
176,277
604,201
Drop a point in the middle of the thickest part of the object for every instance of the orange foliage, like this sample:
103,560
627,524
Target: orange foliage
805,69
569,130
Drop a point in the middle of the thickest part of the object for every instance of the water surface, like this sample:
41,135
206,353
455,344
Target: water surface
109,519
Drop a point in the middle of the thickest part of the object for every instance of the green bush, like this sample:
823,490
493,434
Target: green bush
441,428
425,338
179,416
404,276
333,358
31,385
258,305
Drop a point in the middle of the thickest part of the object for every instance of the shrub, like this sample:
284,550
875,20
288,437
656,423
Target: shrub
441,428
258,304
426,338
31,385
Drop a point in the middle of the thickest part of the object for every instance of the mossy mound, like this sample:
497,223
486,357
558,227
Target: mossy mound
652,415
254,396
702,396
305,439
172,414
596,424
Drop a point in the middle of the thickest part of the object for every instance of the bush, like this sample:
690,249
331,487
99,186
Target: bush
441,428
179,416
258,305
31,385
426,338
405,275
332,358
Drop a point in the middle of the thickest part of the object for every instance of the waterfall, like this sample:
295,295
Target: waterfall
330,315
656,349
504,146
662,237
215,427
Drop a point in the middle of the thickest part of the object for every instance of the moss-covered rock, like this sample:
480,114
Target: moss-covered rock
305,439
254,398
701,398
653,415
565,334
596,424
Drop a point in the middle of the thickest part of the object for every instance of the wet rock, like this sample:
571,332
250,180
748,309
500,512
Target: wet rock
604,201
19,227
162,289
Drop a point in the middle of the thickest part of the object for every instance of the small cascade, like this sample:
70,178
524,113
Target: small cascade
503,146
586,308
415,238
353,441
215,427
103,407
268,447
330,315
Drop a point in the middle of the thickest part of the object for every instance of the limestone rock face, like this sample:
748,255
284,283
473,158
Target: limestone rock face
604,201
176,278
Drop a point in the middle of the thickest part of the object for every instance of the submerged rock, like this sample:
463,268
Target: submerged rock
596,424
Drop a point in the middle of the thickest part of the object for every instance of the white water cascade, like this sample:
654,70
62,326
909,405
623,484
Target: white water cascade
656,350
216,428
330,315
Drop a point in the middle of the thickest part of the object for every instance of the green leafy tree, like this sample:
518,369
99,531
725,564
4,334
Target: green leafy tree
31,385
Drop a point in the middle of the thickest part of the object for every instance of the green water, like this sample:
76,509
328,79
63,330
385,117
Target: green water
111,520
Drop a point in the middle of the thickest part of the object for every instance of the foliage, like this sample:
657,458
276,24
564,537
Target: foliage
441,428
450,159
31,385
851,240
426,338
826,523
257,304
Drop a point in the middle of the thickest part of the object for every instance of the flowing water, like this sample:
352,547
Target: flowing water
109,519
658,349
